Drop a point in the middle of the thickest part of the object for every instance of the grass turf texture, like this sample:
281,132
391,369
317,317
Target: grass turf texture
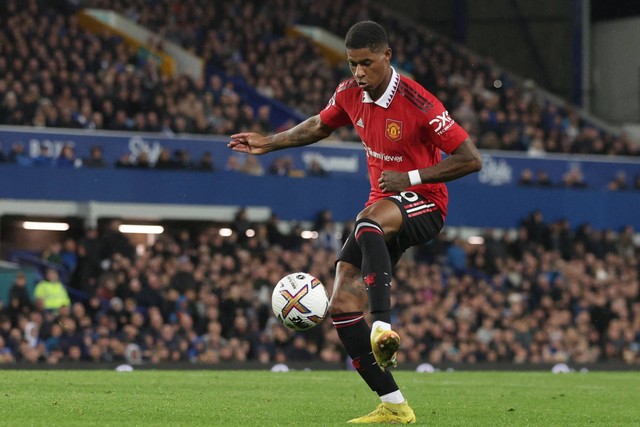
310,398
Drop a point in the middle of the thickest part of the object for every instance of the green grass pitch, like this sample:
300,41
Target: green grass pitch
312,398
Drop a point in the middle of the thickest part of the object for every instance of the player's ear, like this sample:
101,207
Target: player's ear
387,54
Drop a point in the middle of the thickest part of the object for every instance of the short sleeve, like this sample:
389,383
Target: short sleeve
334,114
444,132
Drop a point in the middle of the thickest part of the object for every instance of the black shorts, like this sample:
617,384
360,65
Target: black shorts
422,222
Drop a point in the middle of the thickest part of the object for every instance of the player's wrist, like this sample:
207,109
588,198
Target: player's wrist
414,177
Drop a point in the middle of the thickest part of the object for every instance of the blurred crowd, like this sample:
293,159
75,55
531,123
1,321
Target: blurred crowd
165,160
55,74
544,293
574,179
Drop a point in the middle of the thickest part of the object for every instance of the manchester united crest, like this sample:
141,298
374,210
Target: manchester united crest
393,130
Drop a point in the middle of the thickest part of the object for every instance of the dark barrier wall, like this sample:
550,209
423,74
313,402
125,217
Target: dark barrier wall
490,198
471,204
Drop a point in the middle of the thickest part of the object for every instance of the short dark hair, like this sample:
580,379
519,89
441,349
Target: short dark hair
366,34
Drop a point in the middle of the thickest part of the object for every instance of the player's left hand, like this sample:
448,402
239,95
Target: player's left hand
392,181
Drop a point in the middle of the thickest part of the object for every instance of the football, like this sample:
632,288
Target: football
300,301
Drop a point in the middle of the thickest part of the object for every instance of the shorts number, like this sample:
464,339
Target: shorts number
409,196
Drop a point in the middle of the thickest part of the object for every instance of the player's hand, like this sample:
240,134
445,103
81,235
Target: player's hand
249,142
393,182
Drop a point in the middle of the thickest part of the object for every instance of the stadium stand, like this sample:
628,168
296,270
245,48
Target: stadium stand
500,110
545,293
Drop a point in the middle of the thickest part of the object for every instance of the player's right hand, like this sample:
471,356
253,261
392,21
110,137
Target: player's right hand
248,142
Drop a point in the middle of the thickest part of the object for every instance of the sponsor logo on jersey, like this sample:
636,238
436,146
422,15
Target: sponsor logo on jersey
360,123
393,130
442,123
381,156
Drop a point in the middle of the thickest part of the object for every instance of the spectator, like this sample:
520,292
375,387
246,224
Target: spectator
233,163
280,166
316,169
95,159
329,237
50,293
6,354
183,159
18,155
206,162
543,179
69,255
142,161
53,253
252,166
19,299
125,161
113,241
619,183
67,158
284,166
43,158
574,179
165,161
526,178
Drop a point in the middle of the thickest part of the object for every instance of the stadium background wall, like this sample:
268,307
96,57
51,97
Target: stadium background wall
492,198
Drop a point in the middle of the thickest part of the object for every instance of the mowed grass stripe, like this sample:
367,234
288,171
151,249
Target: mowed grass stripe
310,398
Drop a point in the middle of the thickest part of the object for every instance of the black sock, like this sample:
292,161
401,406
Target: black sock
355,336
376,268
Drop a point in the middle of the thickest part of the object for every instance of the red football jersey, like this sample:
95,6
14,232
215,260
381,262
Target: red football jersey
403,130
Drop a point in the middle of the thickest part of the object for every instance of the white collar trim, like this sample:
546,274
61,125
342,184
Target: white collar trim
385,100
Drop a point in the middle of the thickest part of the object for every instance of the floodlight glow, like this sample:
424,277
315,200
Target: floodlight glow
225,232
475,240
308,234
45,226
141,229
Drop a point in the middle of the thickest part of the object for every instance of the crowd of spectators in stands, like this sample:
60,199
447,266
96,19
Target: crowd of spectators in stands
55,74
544,293
166,160
574,179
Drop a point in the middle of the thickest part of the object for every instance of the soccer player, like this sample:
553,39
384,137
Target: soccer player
403,129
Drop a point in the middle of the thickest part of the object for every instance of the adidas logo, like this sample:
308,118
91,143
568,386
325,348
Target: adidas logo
360,123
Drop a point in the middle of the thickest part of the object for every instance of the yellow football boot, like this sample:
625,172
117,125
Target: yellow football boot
388,413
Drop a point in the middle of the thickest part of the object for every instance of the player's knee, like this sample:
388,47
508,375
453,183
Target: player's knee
385,214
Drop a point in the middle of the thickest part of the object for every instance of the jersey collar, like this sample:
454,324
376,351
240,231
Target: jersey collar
385,100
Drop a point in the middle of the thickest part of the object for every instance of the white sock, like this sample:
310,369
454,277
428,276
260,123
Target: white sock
384,325
393,397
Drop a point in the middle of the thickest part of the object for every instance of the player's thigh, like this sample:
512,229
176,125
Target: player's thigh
421,221
386,214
